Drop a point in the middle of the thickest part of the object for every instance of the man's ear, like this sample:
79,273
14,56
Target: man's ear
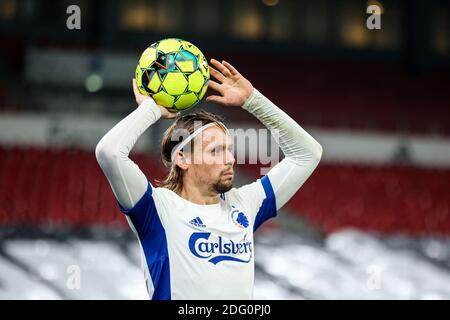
182,160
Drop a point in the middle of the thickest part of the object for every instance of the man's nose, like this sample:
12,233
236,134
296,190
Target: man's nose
229,158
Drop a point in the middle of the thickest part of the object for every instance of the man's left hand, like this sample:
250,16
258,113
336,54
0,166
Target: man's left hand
234,89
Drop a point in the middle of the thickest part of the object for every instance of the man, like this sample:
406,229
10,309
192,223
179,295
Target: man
195,230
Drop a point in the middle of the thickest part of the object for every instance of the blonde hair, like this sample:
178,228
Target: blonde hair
174,180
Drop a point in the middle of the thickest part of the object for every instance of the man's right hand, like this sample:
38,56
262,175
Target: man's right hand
165,114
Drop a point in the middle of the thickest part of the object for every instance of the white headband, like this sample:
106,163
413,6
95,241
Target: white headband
183,143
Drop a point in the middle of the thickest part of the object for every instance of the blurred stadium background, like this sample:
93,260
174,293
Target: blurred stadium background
372,222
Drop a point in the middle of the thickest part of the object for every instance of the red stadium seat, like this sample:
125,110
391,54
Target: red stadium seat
59,187
67,187
376,198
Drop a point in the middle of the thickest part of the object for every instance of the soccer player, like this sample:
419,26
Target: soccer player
194,228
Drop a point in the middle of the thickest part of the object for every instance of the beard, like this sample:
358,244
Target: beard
222,185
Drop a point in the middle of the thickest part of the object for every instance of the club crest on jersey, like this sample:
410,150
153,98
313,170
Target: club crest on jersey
239,218
217,249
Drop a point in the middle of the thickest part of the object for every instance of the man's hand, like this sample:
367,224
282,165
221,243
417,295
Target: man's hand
234,89
165,114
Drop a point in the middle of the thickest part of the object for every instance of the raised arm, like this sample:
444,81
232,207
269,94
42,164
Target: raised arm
127,181
302,152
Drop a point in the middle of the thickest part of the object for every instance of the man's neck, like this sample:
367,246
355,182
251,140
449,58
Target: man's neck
199,196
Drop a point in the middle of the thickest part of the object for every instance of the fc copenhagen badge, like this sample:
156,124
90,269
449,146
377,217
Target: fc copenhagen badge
239,218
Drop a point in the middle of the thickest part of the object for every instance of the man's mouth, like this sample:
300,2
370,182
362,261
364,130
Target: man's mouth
228,173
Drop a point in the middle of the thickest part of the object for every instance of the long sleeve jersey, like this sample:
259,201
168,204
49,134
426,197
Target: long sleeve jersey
192,251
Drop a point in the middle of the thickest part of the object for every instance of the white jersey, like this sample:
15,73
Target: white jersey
187,247
193,251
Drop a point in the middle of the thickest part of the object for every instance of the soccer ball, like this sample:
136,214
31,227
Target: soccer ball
174,73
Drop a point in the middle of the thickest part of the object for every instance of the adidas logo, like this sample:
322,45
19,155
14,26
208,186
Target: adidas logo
197,222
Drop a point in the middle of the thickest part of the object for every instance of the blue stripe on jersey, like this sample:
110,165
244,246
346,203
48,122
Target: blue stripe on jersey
152,235
268,207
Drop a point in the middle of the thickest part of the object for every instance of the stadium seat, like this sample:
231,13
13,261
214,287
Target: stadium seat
67,187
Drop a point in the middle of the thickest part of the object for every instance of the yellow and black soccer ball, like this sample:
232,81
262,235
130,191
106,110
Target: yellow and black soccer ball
174,73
